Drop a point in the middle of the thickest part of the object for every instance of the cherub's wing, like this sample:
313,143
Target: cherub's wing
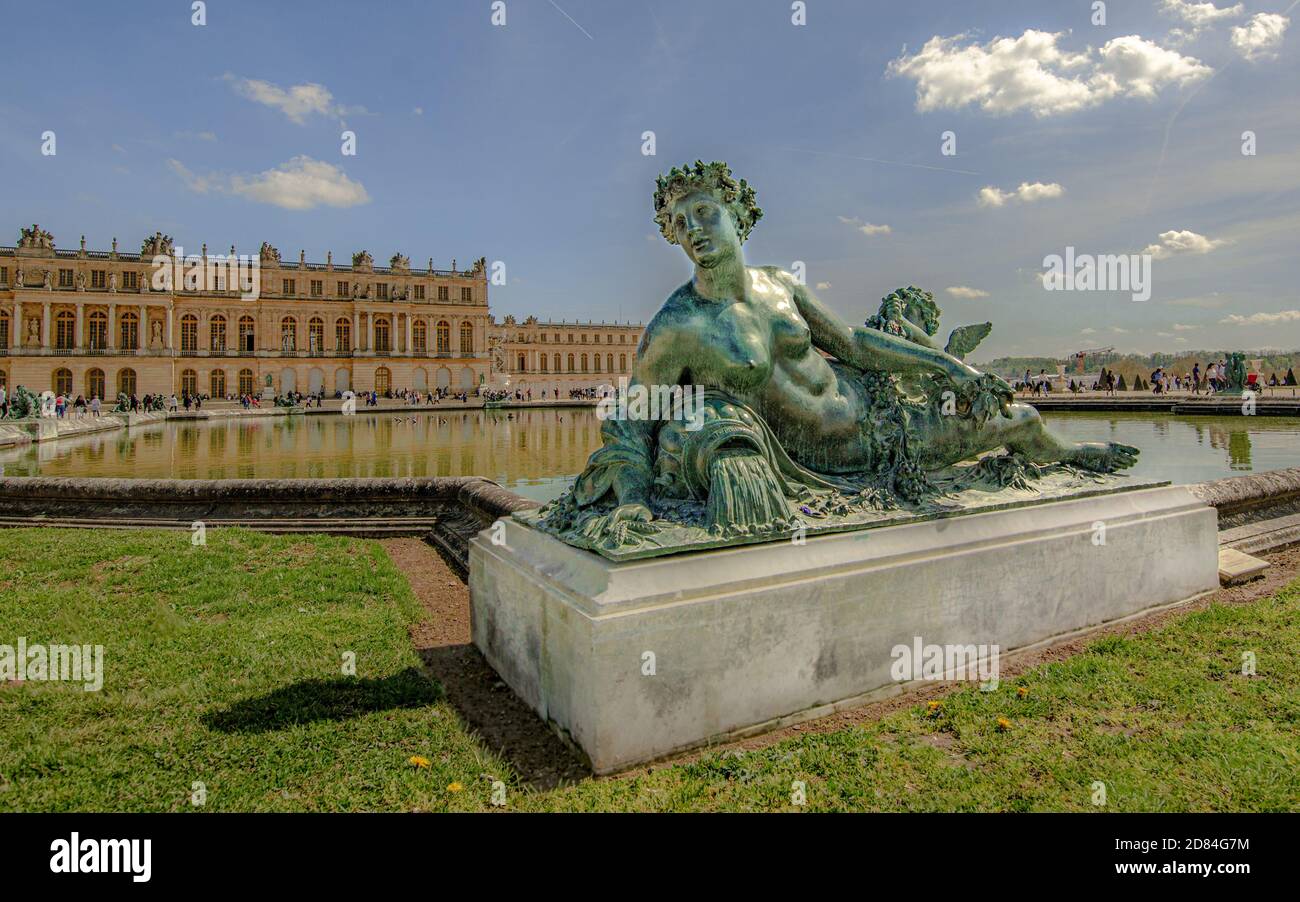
965,339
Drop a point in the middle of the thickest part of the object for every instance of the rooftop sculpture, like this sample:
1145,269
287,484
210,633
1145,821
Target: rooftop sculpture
805,423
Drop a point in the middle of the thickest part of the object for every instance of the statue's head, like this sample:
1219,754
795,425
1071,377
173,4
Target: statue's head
705,210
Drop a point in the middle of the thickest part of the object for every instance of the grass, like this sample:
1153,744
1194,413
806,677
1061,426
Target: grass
224,665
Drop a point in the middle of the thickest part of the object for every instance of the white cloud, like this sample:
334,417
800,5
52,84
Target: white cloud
1088,331
1261,37
1182,242
419,110
1183,327
1032,73
1119,330
865,228
965,291
1262,319
300,184
1027,193
297,102
1199,15
823,286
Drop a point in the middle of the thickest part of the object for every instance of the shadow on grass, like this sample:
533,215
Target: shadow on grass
337,699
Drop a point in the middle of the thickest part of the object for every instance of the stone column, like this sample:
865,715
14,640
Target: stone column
370,331
45,325
142,329
408,334
111,338
77,335
16,329
167,341
354,334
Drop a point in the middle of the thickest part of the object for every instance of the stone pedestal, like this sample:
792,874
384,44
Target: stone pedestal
637,660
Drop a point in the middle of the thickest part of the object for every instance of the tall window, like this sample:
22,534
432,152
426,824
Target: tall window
383,380
288,287
467,295
64,332
4,329
342,289
130,280
316,335
245,382
128,329
217,334
98,278
419,292
247,335
444,293
622,363
189,382
444,337
523,363
126,381
217,384
419,336
466,338
544,362
584,363
595,360
95,384
288,334
570,363
317,287
381,336
98,337
609,363
343,334
382,291
189,333
65,278
63,381
557,363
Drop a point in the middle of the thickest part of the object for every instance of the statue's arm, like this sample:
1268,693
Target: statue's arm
870,348
624,464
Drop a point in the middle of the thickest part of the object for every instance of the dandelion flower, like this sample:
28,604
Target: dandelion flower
1004,724
455,787
418,761
1022,691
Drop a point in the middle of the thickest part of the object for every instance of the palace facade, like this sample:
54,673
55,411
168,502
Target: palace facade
102,322
562,356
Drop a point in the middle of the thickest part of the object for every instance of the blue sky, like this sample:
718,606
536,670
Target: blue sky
523,143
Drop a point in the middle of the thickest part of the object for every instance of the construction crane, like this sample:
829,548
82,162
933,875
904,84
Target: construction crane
1080,357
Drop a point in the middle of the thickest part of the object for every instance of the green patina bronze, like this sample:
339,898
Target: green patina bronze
805,424
23,403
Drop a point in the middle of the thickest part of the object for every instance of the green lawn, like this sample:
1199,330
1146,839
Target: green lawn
224,665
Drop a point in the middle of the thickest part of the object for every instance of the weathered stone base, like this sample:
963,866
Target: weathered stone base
640,659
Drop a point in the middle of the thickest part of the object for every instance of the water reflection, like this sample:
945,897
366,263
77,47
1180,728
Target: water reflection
537,452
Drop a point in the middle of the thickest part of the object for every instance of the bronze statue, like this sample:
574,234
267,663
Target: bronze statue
804,418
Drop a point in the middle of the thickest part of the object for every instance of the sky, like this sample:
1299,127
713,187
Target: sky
950,145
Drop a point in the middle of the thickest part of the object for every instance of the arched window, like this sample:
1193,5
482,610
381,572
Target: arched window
444,337
466,338
128,330
595,360
523,363
316,335
557,363
4,329
544,360
570,363
189,333
420,336
584,363
383,380
217,383
98,337
95,384
63,381
288,334
247,335
126,381
189,382
382,336
245,382
65,332
343,334
217,334
609,363
622,363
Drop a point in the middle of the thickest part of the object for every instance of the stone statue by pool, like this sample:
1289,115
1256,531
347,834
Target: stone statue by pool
832,494
808,425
